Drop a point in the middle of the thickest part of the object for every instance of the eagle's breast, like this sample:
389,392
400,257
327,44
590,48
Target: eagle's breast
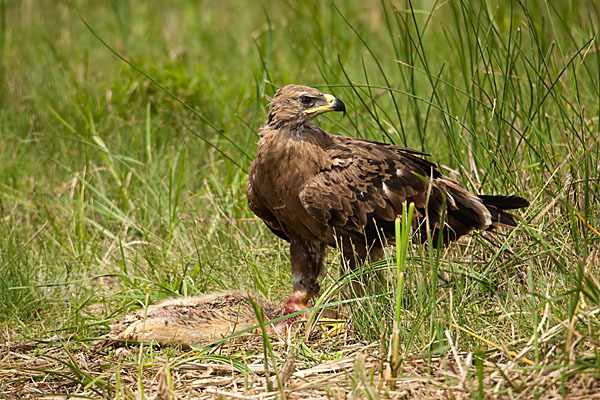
283,167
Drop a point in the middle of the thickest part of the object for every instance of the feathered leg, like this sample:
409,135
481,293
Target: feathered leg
307,262
354,256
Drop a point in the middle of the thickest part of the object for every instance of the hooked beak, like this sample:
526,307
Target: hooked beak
333,104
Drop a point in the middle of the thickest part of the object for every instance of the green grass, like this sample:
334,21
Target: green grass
114,187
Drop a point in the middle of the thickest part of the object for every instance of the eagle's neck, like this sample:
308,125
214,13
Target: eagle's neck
277,148
291,131
297,132
291,128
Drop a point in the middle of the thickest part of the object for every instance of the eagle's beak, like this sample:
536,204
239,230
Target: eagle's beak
333,104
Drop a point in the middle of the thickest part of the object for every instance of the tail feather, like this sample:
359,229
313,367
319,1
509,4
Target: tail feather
504,202
496,206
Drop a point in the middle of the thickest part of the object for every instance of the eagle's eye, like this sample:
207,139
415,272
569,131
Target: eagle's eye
306,100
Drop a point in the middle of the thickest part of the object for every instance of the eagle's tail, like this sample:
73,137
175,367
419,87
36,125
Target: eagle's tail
496,206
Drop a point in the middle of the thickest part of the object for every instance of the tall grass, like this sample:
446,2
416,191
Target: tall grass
122,180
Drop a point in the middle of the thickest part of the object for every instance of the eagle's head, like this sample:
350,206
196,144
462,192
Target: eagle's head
295,105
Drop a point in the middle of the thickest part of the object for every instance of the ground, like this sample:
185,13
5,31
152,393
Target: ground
354,370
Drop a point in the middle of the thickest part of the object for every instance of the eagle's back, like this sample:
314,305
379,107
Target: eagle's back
325,186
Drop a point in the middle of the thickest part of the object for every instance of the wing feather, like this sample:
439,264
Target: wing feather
365,183
362,188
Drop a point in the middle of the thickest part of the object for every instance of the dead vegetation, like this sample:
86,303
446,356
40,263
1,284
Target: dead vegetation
321,368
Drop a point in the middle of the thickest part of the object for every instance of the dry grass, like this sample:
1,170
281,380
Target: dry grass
30,369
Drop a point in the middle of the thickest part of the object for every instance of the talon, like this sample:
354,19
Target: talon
332,327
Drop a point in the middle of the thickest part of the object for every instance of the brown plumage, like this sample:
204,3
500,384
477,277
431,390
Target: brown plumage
195,320
316,190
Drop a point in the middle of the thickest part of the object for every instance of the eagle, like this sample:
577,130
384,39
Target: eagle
314,190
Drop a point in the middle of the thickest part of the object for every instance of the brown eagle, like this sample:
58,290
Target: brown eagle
315,190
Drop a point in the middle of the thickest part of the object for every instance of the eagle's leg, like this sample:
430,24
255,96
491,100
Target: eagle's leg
307,258
355,256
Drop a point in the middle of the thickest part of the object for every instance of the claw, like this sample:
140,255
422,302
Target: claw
332,327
